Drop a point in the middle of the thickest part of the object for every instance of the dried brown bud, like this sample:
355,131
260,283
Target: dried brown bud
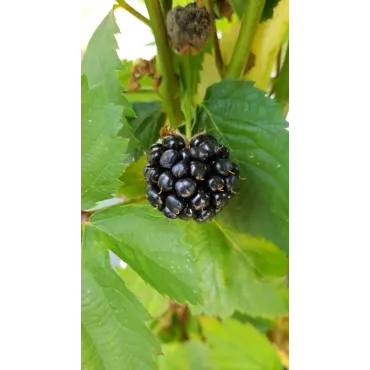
133,84
189,28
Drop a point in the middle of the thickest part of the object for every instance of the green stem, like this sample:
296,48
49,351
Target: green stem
216,45
188,88
169,79
166,6
188,113
251,16
135,13
282,85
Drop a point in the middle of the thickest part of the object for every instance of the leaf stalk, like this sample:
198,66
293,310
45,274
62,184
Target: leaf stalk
251,16
135,13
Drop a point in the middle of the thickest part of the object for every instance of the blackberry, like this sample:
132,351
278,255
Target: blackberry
200,200
169,158
166,181
174,142
151,174
223,167
190,180
231,182
198,170
180,169
185,188
216,183
187,213
174,203
205,215
154,157
185,154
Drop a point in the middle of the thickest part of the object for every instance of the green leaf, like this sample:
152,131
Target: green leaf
102,152
268,10
154,302
267,13
142,96
262,324
101,61
148,123
223,24
133,149
114,335
190,355
189,68
237,346
144,129
232,266
133,184
154,248
252,126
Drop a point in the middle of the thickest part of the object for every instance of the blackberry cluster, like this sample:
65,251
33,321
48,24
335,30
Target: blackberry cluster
190,180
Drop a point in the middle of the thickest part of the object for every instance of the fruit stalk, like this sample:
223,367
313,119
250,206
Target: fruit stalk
251,16
169,81
186,72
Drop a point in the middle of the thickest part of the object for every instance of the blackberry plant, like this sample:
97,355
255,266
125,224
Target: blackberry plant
198,134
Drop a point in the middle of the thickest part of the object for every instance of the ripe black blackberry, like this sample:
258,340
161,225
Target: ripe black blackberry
190,180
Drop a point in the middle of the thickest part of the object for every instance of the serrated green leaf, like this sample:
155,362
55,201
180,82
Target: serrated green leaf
267,13
189,68
133,148
232,266
113,333
154,248
101,61
252,126
148,123
262,324
133,184
102,152
190,355
237,346
144,129
154,302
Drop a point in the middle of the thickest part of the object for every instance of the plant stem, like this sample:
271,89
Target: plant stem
251,16
216,45
135,13
188,87
169,79
188,111
166,6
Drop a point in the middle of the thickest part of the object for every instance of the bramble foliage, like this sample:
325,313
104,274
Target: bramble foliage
193,296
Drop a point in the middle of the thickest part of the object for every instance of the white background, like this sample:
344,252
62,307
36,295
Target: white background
40,185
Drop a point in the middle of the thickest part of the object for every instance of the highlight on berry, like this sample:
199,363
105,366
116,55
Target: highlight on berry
190,180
